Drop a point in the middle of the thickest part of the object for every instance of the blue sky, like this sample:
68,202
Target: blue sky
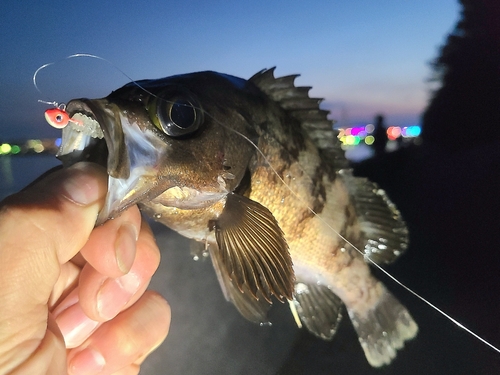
362,56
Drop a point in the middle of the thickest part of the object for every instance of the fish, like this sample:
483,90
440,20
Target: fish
253,172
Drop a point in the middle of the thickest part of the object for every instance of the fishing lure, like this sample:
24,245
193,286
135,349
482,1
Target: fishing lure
59,118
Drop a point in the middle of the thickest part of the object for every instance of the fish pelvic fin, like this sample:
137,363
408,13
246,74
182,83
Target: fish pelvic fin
383,330
318,308
382,227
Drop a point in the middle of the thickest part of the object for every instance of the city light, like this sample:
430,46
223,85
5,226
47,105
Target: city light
349,137
355,135
393,132
5,149
411,131
369,140
30,146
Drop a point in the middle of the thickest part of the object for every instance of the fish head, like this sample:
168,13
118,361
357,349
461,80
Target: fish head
181,140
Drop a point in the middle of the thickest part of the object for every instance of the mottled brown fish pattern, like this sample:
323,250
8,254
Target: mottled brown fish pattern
252,170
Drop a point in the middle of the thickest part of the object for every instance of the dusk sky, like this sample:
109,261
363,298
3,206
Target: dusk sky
363,57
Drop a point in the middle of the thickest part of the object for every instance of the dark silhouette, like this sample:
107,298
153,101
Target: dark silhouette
465,111
380,135
447,191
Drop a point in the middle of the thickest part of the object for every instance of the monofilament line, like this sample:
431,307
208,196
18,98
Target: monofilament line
457,323
89,56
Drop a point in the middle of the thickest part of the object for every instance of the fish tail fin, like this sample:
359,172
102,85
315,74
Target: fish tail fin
383,329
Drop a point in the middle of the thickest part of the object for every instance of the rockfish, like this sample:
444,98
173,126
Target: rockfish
252,170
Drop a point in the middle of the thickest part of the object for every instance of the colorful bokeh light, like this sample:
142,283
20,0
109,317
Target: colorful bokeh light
369,140
353,136
29,146
5,148
393,132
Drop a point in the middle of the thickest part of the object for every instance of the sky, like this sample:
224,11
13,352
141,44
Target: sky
363,57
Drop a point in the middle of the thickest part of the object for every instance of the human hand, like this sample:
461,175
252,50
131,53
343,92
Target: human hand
61,277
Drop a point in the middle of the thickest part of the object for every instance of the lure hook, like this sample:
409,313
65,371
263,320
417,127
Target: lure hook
58,117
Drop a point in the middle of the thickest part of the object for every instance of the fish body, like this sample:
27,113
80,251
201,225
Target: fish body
253,171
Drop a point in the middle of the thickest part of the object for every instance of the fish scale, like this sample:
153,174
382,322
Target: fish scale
254,171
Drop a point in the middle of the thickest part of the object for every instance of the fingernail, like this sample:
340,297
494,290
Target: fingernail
125,246
81,186
75,326
87,361
114,294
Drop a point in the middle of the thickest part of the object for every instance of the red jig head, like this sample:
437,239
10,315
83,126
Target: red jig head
59,118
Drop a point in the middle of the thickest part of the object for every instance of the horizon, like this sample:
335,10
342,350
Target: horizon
362,58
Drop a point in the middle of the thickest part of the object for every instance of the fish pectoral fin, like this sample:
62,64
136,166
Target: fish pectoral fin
318,308
253,249
255,310
381,224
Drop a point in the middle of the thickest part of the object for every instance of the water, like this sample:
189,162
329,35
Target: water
16,172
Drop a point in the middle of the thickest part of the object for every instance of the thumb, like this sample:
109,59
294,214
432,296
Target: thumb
42,227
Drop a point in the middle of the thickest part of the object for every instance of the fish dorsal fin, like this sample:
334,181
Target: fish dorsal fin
296,101
318,308
383,228
253,249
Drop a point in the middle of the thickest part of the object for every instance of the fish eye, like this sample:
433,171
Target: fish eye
182,114
177,115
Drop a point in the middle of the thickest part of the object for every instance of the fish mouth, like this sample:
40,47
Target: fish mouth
100,132
92,136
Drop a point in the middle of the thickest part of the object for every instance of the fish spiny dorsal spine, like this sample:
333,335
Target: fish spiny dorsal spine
296,101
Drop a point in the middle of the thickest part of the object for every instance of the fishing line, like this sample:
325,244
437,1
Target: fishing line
457,323
77,55
60,118
296,195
